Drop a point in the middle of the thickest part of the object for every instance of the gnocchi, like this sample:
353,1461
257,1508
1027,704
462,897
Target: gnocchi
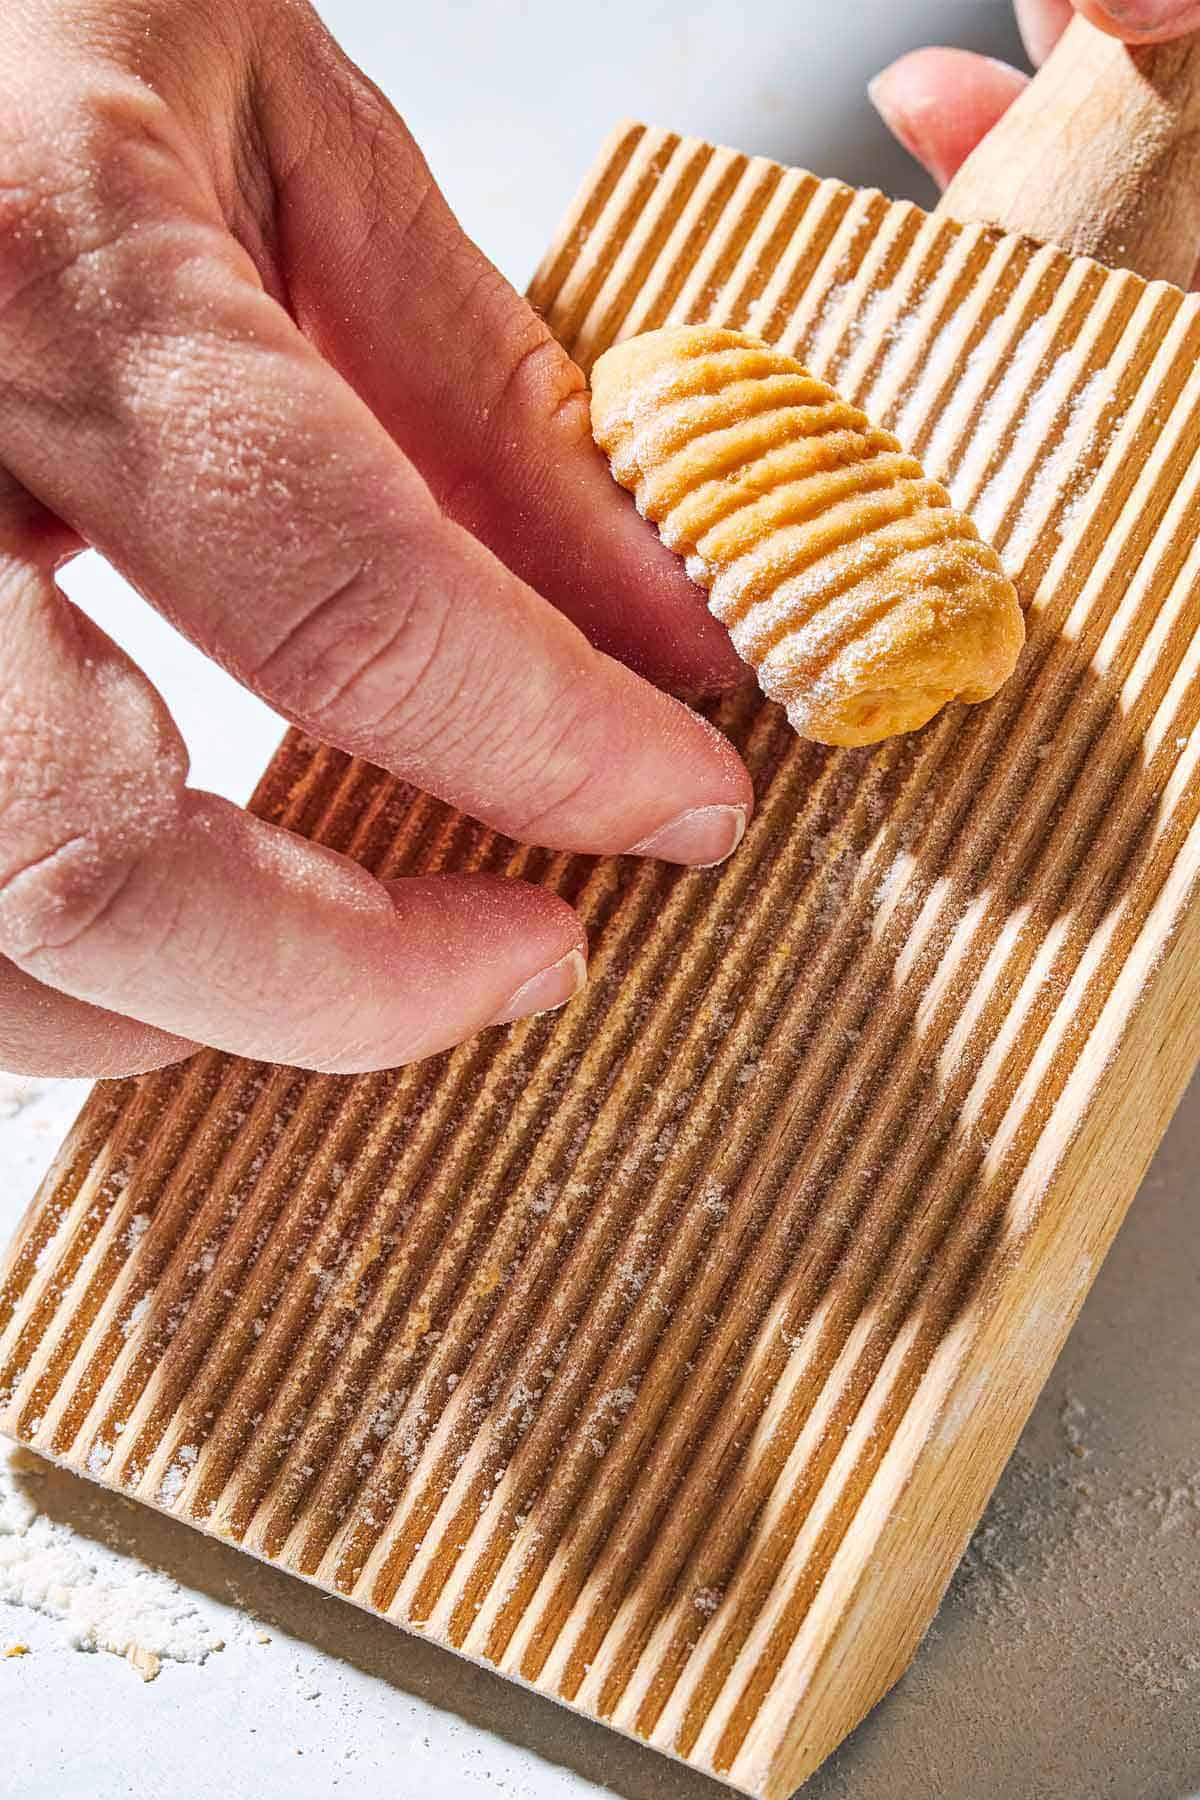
846,579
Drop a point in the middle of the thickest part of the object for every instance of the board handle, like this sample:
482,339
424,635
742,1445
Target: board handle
1100,154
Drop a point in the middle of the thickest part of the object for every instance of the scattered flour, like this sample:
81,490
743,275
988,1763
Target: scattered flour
175,1479
712,1196
136,1229
105,1601
1056,1532
17,1092
137,1313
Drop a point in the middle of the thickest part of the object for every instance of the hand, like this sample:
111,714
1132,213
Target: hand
248,353
939,103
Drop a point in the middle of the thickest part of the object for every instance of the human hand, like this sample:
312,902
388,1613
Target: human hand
248,353
940,102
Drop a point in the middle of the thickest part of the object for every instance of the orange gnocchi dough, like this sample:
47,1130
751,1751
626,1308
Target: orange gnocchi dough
844,576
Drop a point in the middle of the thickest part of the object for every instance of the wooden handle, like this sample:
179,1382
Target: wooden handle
1101,154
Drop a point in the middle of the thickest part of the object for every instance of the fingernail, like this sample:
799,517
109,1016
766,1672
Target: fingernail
880,98
876,91
703,837
879,94
904,121
1144,15
548,989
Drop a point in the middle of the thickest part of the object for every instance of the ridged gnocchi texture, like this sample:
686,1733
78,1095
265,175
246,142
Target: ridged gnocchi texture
842,572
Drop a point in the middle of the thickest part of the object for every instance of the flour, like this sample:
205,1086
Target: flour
1041,408
1054,1530
104,1600
17,1092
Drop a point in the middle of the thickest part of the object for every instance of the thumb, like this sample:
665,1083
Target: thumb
463,374
1142,21
939,103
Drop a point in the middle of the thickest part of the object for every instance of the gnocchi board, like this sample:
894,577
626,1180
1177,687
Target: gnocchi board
663,1353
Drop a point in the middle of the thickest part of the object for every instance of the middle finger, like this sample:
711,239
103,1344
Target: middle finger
172,412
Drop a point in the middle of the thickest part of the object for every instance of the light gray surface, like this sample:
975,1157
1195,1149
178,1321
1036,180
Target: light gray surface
1066,1661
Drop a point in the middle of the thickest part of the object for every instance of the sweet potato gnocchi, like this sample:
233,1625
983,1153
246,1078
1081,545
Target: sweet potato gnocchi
844,576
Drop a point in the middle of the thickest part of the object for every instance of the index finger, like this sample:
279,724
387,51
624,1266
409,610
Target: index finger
174,415
384,279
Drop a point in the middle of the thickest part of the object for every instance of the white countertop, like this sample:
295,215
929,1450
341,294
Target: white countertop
1065,1663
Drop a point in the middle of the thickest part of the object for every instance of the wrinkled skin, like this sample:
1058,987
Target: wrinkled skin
248,353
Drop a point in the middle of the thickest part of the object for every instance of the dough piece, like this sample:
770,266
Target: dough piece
843,574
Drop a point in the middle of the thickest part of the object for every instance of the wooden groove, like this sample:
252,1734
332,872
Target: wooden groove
716,1082
858,226
607,1347
633,187
657,292
970,384
618,1114
799,257
250,1395
943,1271
762,192
145,1388
584,213
766,240
706,1581
402,1177
941,1260
186,1249
847,946
914,1249
69,1170
653,902
418,1224
1063,336
168,1222
637,267
941,273
145,1133
768,1254
905,255
942,1263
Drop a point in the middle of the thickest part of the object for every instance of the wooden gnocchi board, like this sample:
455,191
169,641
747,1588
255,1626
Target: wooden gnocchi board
663,1353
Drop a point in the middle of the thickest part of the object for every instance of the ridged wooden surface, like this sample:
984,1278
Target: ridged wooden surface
663,1353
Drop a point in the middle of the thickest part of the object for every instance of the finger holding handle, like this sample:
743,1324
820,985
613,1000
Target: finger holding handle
1099,154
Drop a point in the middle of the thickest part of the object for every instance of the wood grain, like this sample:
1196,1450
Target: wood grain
663,1353
1100,154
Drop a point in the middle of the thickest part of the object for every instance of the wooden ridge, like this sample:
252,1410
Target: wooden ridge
663,1353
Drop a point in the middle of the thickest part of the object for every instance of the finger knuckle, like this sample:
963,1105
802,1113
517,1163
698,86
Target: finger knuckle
47,904
357,138
357,652
397,190
31,218
556,768
73,838
66,891
541,381
79,174
526,370
526,388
